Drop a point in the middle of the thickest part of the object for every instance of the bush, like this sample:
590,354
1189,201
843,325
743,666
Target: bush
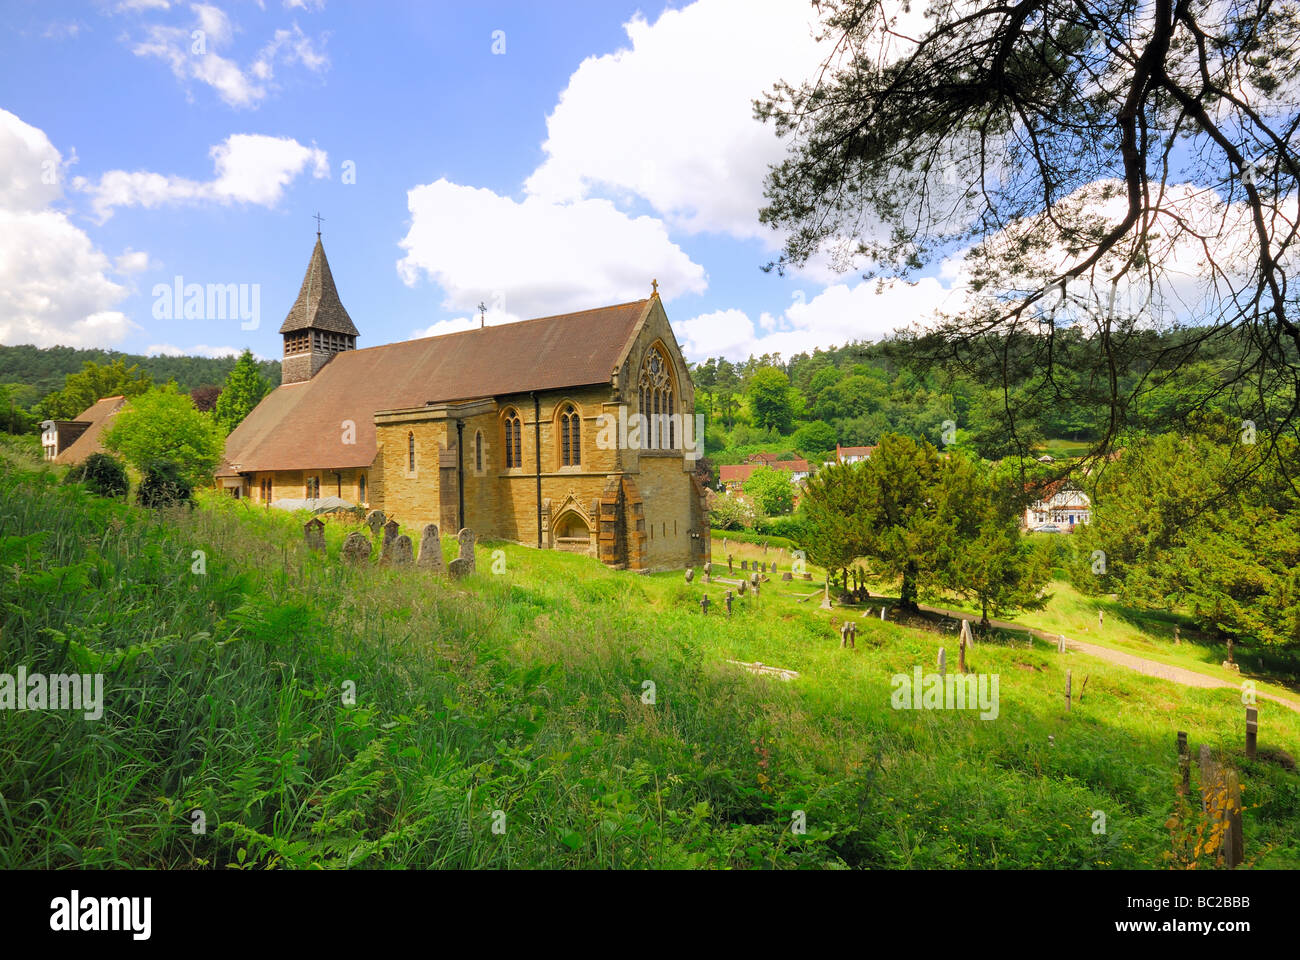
102,474
164,486
788,527
728,513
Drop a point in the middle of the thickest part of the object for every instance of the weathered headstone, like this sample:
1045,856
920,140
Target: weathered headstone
943,663
459,568
1060,643
430,548
787,575
807,576
742,588
753,582
1252,732
1177,639
882,613
730,568
466,541
704,604
375,521
390,534
708,571
356,547
853,635
744,564
690,574
844,635
727,601
314,531
402,555
961,646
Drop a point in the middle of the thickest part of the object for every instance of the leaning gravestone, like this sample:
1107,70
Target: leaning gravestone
314,531
430,548
459,568
356,547
402,555
375,521
742,588
690,574
466,540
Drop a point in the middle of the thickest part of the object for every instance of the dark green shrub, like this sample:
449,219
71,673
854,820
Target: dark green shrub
102,474
164,486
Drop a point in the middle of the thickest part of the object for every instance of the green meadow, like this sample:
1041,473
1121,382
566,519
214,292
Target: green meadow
270,707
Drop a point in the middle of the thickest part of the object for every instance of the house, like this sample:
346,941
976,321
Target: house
72,441
733,476
564,432
1059,509
853,454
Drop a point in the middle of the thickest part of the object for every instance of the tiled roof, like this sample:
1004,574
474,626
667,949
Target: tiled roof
299,426
98,415
318,305
741,472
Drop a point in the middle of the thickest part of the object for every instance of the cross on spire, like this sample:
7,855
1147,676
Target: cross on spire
482,311
654,288
318,218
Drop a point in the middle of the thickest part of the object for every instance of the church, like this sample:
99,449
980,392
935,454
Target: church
517,431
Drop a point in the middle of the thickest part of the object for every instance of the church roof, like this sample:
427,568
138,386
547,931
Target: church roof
318,305
97,415
300,426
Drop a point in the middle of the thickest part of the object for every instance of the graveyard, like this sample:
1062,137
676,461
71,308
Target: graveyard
337,695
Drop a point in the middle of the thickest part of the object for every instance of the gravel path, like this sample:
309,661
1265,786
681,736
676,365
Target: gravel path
1151,668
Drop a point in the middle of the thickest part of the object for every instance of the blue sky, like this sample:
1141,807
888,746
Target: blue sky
538,157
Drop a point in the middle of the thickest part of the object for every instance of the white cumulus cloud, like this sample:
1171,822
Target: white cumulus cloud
533,257
54,285
249,168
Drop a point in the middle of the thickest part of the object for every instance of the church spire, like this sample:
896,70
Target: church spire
318,325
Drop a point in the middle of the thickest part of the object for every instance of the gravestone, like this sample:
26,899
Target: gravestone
459,569
430,548
704,604
787,575
690,574
314,531
742,588
1060,643
773,566
753,582
744,564
807,576
466,541
375,521
727,601
730,568
402,555
356,547
708,571
390,534
943,663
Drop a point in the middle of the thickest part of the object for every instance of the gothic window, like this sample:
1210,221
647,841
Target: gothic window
361,488
410,453
514,439
266,489
657,400
478,450
570,436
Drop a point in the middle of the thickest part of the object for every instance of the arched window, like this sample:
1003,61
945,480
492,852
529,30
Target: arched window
410,452
361,488
657,401
514,439
570,436
478,450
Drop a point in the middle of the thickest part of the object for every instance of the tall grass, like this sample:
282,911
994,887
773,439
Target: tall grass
502,721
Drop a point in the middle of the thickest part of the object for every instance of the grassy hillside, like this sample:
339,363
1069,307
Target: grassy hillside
516,701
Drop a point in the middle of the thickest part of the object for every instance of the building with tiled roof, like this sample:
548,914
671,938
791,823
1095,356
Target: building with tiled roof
732,476
528,431
853,454
72,441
